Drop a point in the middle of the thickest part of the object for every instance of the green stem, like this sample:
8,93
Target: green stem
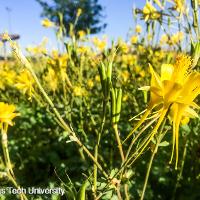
137,136
118,142
181,169
10,173
22,195
96,151
4,142
160,137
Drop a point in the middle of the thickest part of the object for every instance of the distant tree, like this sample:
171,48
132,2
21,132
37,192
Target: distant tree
89,19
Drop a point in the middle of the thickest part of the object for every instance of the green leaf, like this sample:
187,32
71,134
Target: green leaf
164,144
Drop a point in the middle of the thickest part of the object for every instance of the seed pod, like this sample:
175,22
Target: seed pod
81,193
109,71
108,82
102,74
118,105
113,105
116,93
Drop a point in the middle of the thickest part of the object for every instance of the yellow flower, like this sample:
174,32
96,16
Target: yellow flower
78,91
10,77
81,34
141,48
47,23
123,46
90,83
79,12
142,73
100,44
127,59
174,91
149,37
51,80
180,6
84,49
164,39
5,37
177,37
125,75
138,29
97,78
57,60
7,113
125,97
25,83
134,39
150,12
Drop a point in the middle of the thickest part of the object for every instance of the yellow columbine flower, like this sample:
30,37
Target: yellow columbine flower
97,78
173,91
5,37
90,83
125,75
100,44
125,97
25,83
47,23
134,39
51,80
123,46
84,50
164,39
180,6
150,12
81,34
176,38
57,60
7,113
78,91
138,29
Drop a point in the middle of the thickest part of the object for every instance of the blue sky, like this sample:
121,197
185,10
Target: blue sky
25,19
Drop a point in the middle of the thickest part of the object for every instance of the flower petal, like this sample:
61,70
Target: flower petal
166,71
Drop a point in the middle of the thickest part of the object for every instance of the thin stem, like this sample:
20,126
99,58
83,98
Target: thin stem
10,173
115,127
118,142
137,136
119,193
97,145
160,137
22,195
148,172
181,169
4,141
